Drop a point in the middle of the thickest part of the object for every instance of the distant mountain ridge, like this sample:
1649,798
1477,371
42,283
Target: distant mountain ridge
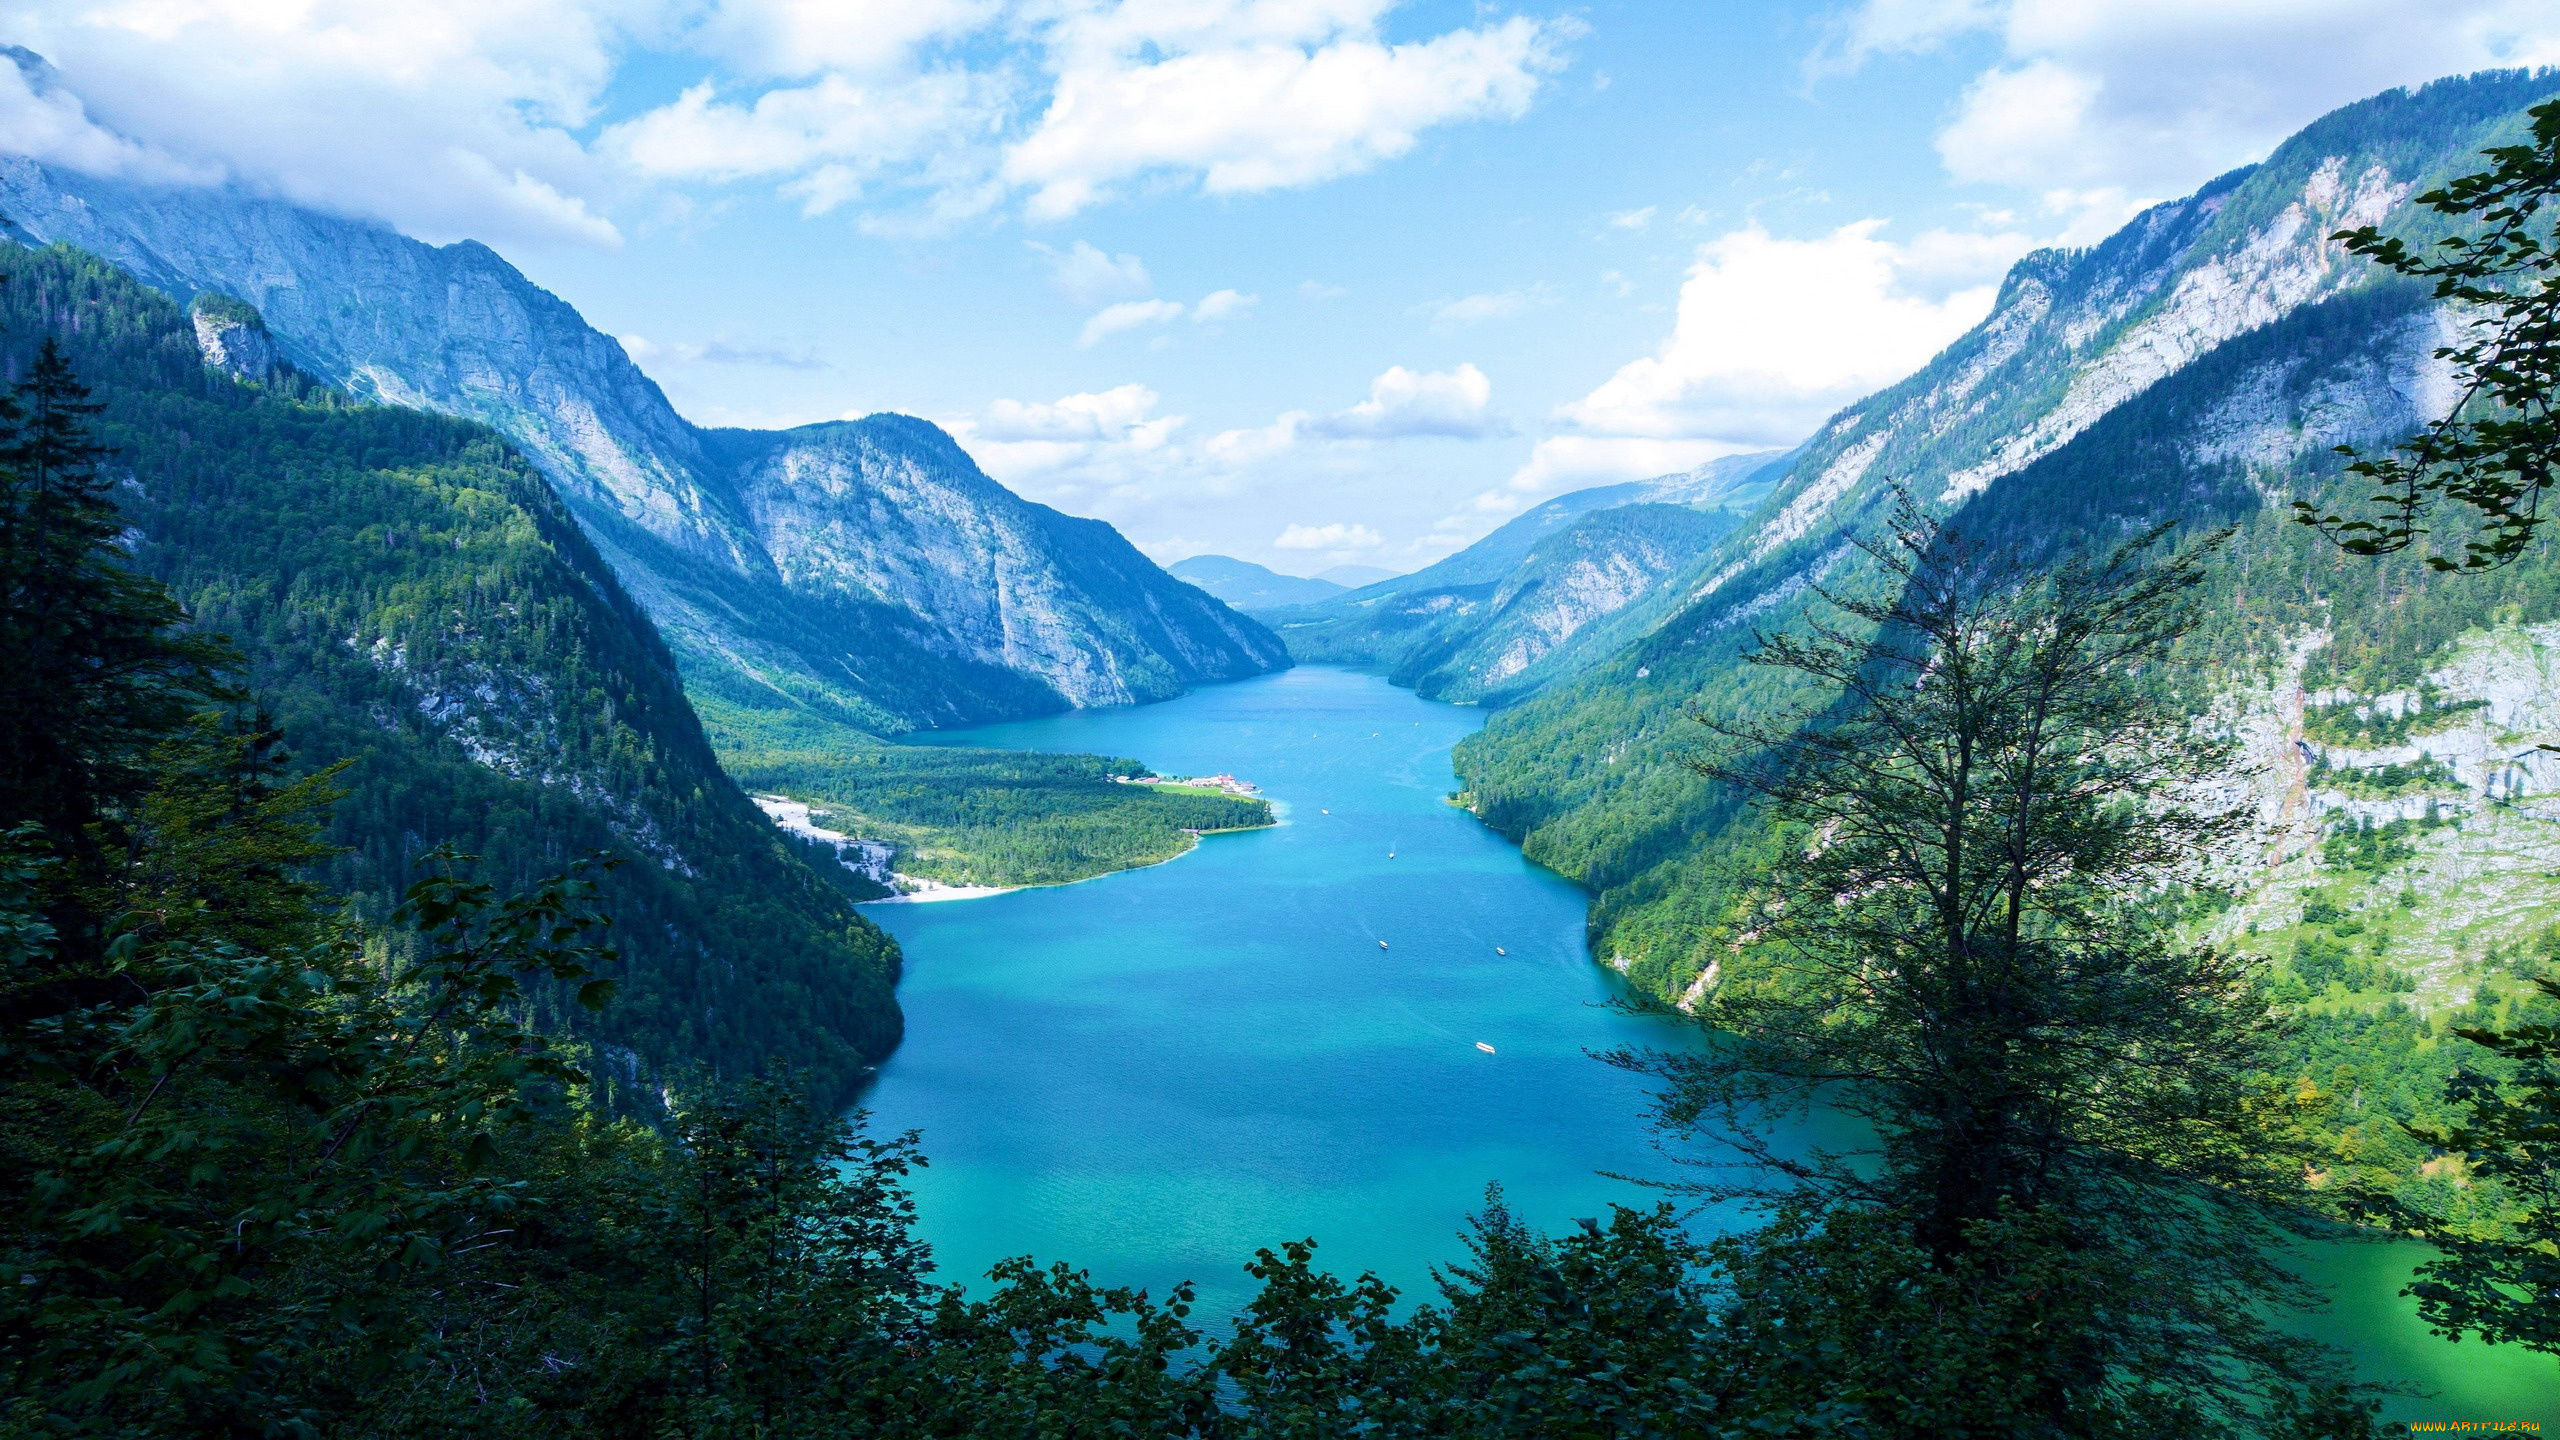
1554,589
866,572
1248,586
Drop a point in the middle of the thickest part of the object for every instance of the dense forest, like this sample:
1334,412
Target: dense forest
351,829
409,597
271,1167
968,815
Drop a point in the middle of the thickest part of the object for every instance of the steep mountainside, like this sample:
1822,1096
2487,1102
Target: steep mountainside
1248,586
1552,591
2198,367
412,596
868,573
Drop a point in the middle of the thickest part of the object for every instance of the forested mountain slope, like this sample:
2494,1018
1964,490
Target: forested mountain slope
868,573
413,597
1550,592
2198,367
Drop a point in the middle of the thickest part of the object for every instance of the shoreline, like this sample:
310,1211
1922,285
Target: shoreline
987,892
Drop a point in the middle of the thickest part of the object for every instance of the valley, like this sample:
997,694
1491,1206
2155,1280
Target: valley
1774,947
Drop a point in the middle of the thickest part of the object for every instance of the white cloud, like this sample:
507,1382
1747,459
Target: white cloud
794,38
477,117
1474,309
1127,315
1631,219
1223,304
1077,447
826,140
1236,450
1239,98
1087,276
2127,98
1135,314
1405,403
1336,536
39,118
1121,415
1772,335
449,119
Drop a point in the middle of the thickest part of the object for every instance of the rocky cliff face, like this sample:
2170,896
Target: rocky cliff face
870,573
1548,594
2197,367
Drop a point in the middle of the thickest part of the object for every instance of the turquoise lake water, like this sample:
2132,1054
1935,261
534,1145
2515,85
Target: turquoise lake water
1155,1073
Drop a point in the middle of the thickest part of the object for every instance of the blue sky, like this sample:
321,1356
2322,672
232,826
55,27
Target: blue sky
1302,281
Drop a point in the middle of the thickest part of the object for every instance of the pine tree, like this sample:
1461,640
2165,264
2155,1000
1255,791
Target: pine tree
93,667
2066,1171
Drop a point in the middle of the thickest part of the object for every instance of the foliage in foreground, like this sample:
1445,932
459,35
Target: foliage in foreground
265,1171
1967,945
2492,458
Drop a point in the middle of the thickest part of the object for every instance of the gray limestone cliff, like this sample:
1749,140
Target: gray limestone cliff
868,573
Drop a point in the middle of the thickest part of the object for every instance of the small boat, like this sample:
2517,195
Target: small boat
1391,854
1484,1047
1382,944
1324,812
1498,950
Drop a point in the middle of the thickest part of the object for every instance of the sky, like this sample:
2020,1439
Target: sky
1305,282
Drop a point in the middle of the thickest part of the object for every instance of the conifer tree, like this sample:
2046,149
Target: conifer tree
93,668
2054,1214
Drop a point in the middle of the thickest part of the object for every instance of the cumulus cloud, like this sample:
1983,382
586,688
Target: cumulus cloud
1237,97
1336,536
447,120
1454,403
795,38
827,141
1137,314
1223,305
40,119
1124,414
2106,101
1473,309
1087,276
481,117
1771,336
1127,315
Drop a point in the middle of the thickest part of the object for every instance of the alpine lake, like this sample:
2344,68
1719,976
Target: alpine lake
1344,1027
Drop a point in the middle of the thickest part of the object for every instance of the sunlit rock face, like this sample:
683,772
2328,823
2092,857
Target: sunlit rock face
869,572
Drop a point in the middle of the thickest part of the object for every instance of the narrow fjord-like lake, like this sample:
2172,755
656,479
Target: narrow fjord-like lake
1154,1073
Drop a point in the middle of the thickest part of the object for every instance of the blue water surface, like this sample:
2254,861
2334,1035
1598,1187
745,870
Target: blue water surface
1155,1073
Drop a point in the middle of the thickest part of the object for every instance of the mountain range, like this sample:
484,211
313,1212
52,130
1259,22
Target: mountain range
866,572
411,597
2398,727
1248,586
1551,592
